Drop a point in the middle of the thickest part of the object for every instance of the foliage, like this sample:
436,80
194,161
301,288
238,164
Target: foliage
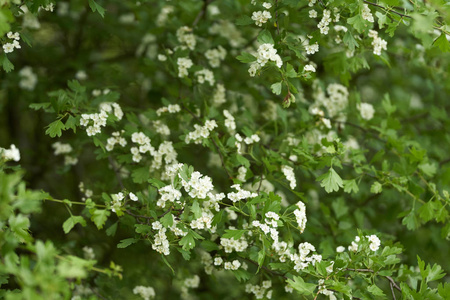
180,148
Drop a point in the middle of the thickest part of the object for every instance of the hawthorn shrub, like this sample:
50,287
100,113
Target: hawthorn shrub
278,149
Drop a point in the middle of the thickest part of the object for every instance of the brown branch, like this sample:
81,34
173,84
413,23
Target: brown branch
392,11
276,17
202,12
391,281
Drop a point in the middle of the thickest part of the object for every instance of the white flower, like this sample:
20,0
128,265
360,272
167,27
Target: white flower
261,17
367,111
133,197
8,48
10,154
309,68
313,14
366,14
340,249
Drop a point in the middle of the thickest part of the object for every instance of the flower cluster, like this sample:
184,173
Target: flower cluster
309,68
234,265
144,145
186,37
260,291
366,14
115,139
10,154
200,132
242,172
204,222
64,149
184,63
311,49
366,110
254,138
28,79
205,75
14,37
198,186
266,52
323,24
171,108
215,56
160,243
377,43
219,96
374,243
300,215
261,17
302,260
168,193
230,245
269,225
240,194
146,293
290,176
188,283
99,119
324,291
229,121
228,31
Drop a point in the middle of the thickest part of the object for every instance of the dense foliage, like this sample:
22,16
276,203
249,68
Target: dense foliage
226,149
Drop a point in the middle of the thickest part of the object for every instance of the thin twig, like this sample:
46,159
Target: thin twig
276,17
372,271
202,12
392,11
392,291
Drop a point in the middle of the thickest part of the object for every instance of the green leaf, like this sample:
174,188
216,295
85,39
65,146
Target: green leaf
428,169
331,181
55,128
246,57
126,242
350,41
434,273
111,231
376,188
339,207
167,220
188,241
195,208
351,186
97,8
6,64
290,72
442,43
235,234
99,217
387,105
75,86
358,23
244,20
209,245
376,291
410,221
301,286
141,175
71,222
265,37
276,88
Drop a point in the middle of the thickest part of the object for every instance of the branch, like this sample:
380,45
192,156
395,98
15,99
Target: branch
392,11
202,12
391,281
